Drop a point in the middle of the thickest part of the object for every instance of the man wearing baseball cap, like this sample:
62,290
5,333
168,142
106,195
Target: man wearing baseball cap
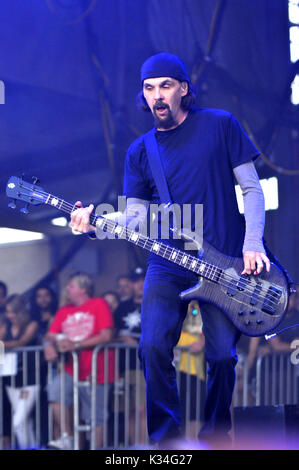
202,151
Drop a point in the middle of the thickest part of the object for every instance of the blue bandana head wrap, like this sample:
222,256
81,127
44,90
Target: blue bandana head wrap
164,65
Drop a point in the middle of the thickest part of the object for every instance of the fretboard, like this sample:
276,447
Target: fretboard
179,257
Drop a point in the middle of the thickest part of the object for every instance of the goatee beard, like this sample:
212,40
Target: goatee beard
164,123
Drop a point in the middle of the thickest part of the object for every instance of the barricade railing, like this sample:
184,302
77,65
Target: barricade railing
20,389
121,389
275,381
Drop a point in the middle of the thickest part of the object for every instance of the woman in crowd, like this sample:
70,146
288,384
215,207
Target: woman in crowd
112,298
19,330
44,305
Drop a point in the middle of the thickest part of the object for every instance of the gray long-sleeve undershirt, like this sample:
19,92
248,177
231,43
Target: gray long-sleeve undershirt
254,208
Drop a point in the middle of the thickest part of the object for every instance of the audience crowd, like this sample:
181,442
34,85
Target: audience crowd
85,322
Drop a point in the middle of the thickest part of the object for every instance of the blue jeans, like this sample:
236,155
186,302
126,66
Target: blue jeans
162,316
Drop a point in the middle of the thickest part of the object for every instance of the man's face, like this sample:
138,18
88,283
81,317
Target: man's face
163,96
73,291
124,288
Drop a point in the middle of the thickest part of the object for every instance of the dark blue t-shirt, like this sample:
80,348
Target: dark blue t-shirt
198,157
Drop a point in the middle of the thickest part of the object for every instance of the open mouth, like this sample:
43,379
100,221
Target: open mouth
161,109
160,105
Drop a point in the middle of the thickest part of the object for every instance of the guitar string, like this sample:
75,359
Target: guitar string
168,251
70,207
247,290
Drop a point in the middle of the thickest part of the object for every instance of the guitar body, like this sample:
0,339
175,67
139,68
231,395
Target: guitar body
255,306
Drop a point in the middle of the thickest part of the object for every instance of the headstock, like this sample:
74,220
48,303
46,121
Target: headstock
20,190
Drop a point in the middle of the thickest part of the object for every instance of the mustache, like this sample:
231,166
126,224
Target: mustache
160,104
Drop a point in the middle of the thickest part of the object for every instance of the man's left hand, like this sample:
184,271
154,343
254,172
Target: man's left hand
65,345
254,262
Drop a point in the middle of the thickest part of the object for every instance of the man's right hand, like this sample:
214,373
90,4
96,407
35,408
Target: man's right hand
80,218
50,352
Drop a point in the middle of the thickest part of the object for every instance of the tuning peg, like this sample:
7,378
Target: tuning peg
25,209
12,204
35,180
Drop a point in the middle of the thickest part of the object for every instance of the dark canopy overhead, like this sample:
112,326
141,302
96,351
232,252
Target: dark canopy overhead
71,75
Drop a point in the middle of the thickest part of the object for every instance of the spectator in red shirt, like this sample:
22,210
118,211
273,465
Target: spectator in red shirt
79,326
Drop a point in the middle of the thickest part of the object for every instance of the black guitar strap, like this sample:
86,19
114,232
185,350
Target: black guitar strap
154,159
156,166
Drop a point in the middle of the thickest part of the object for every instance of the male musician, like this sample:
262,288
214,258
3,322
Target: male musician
202,150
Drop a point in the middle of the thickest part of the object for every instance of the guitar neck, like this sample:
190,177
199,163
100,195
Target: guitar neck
191,263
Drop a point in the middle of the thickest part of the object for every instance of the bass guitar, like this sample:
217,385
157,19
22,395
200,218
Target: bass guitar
255,304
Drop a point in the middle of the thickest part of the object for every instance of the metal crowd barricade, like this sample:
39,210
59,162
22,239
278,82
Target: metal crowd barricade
77,384
243,388
123,438
117,400
26,433
275,382
192,395
40,411
120,397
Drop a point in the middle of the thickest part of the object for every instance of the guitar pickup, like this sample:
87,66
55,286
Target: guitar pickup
232,288
271,300
255,296
239,284
243,281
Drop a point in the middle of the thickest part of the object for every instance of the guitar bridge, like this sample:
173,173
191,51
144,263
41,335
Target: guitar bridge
271,300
